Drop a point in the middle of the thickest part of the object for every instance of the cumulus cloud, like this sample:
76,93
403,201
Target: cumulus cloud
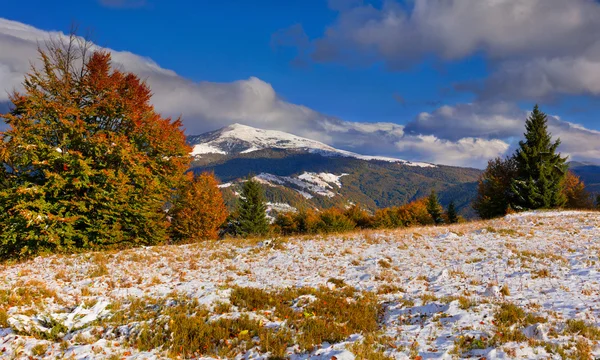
536,48
206,106
504,122
470,152
463,135
484,120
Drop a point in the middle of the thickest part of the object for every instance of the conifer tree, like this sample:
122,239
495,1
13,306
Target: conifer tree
86,161
540,169
251,217
451,213
434,208
199,210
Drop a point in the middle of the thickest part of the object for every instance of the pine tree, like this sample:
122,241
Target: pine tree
251,217
540,169
199,210
434,208
86,162
451,213
494,194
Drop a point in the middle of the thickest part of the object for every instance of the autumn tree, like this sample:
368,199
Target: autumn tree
494,194
86,160
199,210
541,170
575,193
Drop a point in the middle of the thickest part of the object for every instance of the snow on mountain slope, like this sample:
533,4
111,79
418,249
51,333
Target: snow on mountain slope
307,184
237,138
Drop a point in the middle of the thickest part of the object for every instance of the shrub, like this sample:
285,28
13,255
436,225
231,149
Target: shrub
86,163
358,216
285,223
199,210
334,221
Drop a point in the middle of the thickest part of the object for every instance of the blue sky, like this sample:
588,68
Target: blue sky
230,40
363,62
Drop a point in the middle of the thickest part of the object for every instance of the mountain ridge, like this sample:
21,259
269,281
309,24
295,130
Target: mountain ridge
301,173
239,138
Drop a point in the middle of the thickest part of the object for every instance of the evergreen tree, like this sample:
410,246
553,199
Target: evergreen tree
451,213
540,169
494,194
434,208
251,216
86,162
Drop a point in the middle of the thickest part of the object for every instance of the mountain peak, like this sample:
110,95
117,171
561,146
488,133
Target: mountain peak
239,139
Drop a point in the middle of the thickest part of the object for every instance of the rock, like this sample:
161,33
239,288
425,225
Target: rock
537,332
492,291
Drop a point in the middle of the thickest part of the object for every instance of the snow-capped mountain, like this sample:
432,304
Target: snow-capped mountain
242,139
300,172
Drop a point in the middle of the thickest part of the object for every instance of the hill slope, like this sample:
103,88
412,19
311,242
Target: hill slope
437,291
303,172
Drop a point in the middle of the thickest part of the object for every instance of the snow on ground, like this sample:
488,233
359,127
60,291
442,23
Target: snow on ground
545,263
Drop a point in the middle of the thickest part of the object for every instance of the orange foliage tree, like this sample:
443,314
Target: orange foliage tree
199,210
86,161
575,193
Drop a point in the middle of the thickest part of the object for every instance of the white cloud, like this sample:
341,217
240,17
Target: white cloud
504,122
536,48
469,152
486,120
465,135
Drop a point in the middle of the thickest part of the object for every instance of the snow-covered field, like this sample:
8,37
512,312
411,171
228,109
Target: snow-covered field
440,289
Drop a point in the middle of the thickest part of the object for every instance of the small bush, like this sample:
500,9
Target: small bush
39,349
3,318
580,327
334,221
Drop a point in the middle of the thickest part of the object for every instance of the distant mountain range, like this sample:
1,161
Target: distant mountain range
297,172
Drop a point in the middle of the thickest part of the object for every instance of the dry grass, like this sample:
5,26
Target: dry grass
32,293
332,317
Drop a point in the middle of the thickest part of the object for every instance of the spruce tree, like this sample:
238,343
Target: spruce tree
251,216
540,169
434,208
451,213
